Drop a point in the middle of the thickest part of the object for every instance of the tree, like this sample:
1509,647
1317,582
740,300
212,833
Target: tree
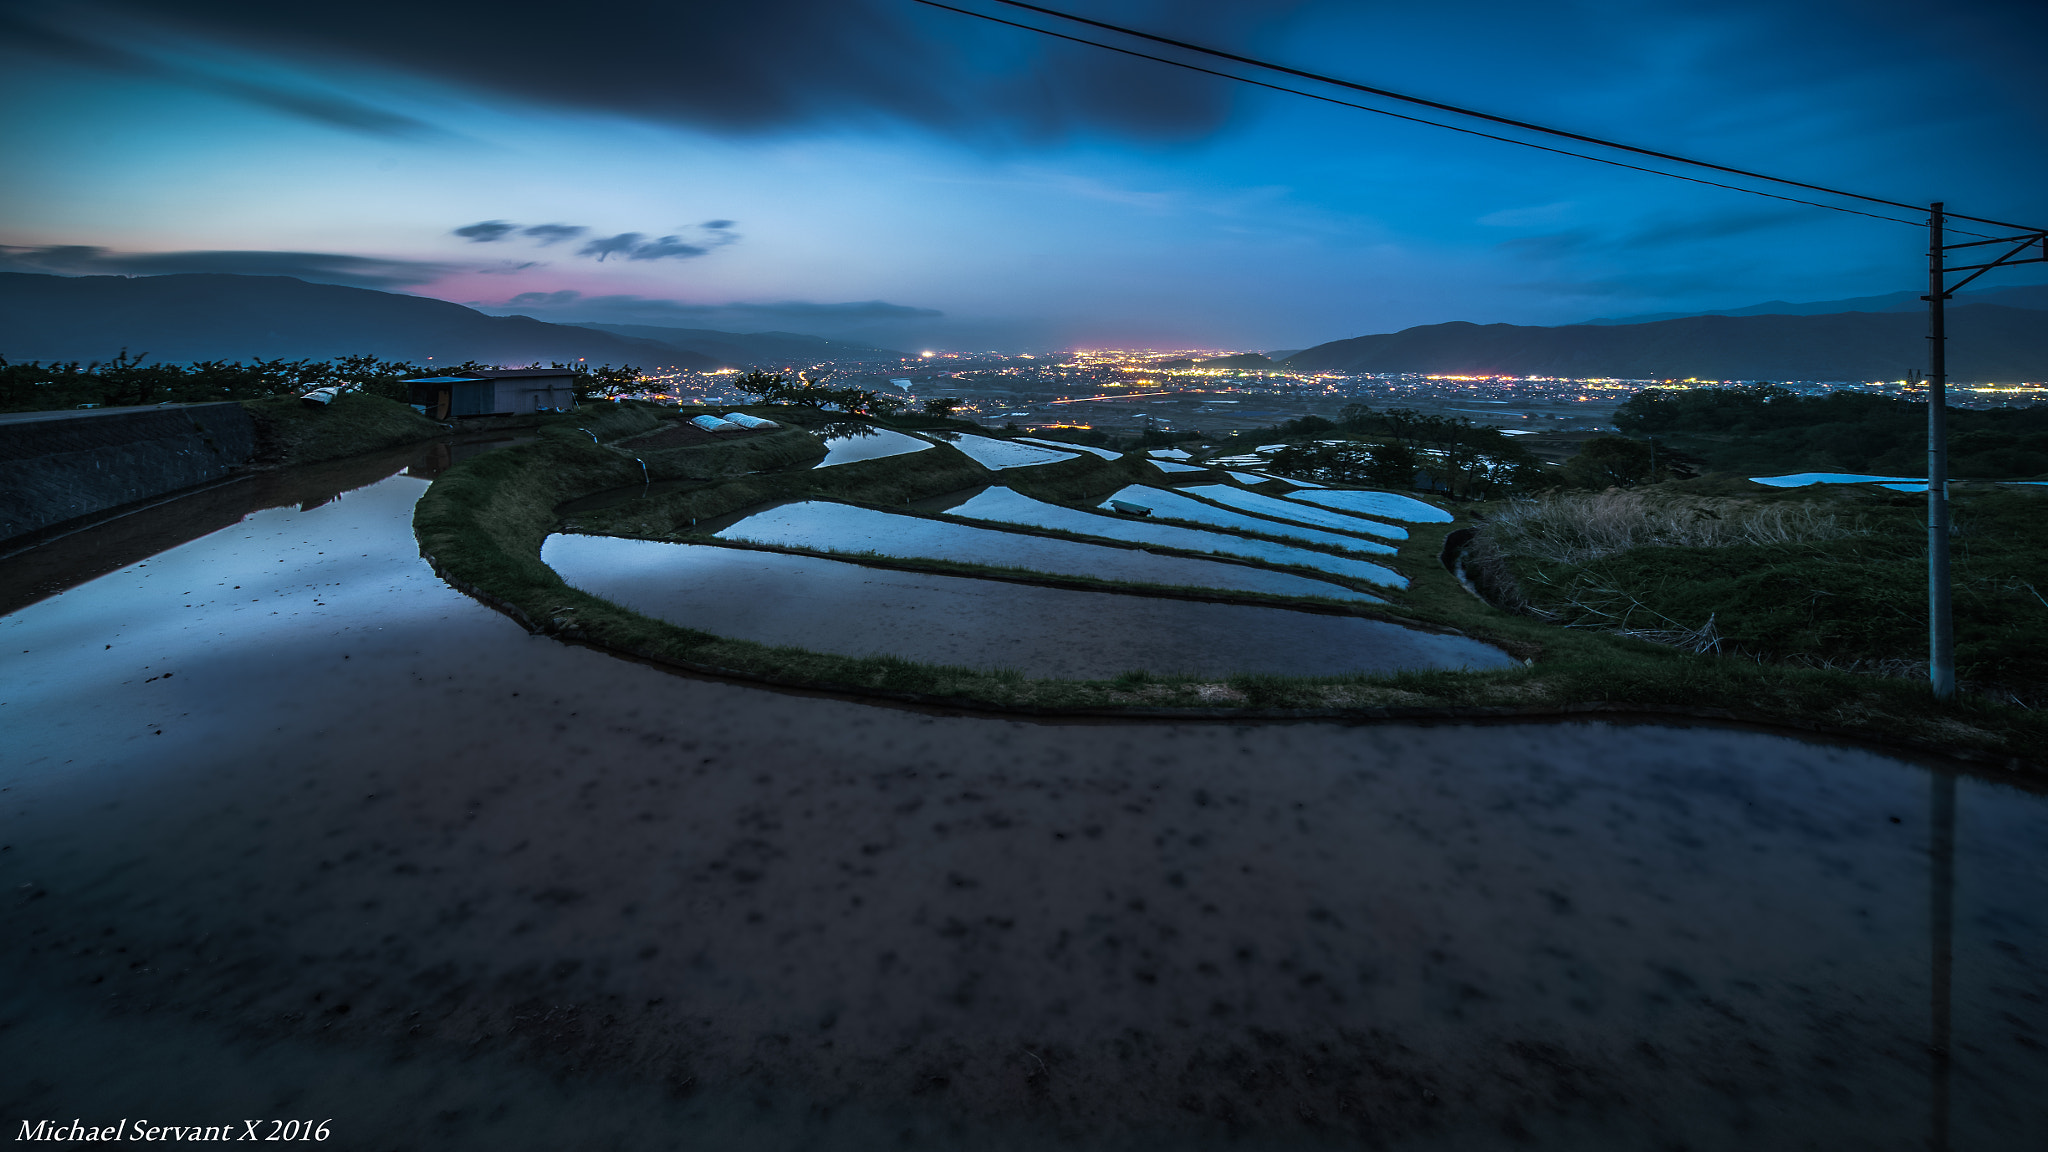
1609,462
942,406
809,391
605,382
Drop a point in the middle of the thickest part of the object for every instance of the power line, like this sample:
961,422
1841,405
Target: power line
1452,108
1410,119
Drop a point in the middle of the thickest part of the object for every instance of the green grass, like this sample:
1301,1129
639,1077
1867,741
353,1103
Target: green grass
289,431
483,523
1848,591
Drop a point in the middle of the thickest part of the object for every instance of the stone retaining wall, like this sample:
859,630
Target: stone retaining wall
60,466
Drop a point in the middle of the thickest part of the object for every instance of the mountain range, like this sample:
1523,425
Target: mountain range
219,316
1989,343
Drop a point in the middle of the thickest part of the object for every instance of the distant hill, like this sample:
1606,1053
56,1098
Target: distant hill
2021,296
1988,344
217,316
752,349
1241,360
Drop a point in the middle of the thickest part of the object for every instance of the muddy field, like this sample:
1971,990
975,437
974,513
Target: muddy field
290,829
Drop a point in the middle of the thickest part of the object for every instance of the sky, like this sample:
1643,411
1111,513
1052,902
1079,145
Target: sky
888,171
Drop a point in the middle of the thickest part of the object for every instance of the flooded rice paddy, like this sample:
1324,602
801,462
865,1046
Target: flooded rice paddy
1173,505
1105,453
998,455
384,858
852,443
1007,507
855,610
827,527
1288,509
1805,479
1170,467
1387,505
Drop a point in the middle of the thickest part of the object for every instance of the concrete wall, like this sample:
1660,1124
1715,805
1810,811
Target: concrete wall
58,466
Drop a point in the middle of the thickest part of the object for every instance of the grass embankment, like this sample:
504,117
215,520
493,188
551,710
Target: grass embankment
1835,578
484,521
289,431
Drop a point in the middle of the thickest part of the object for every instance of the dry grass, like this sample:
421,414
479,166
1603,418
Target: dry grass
1578,527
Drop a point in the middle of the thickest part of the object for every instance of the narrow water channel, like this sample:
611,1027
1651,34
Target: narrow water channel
290,829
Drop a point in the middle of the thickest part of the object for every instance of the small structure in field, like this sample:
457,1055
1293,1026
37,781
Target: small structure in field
494,392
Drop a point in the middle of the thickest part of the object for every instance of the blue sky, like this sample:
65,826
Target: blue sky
878,169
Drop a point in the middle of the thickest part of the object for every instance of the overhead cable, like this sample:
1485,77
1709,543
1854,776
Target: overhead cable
1451,108
1419,119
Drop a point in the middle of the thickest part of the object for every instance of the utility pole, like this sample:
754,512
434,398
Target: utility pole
1941,635
1941,639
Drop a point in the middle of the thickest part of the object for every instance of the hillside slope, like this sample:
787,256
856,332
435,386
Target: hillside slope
1988,344
217,316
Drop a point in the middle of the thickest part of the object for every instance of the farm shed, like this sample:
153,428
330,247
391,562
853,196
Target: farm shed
494,392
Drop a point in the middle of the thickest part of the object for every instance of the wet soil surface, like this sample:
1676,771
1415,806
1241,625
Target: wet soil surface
357,848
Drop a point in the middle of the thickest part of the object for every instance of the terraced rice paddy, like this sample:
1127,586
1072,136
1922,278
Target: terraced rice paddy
1805,479
1172,505
826,527
1001,454
828,605
1389,505
851,447
1105,453
1169,466
1260,505
1005,506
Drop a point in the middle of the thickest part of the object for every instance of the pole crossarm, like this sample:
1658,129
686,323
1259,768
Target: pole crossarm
2020,245
2033,239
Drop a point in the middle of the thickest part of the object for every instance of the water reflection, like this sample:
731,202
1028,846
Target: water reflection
1941,851
849,442
385,857
81,555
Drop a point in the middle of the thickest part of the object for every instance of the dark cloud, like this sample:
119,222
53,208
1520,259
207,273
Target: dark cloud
668,247
621,245
47,40
553,233
635,246
544,299
317,267
487,231
1656,233
627,245
739,67
1718,226
751,317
